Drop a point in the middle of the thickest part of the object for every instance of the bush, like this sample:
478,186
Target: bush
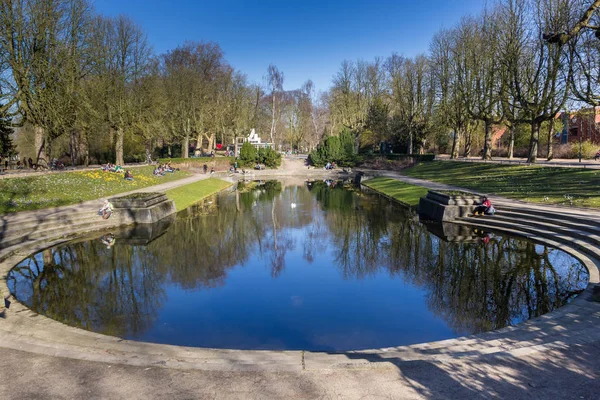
269,157
588,149
339,149
248,155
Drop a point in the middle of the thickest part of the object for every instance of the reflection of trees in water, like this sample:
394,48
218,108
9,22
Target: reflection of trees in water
475,287
92,287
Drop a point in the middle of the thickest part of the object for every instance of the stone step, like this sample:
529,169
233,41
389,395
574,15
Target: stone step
566,214
50,213
594,238
51,231
35,223
22,246
581,224
531,232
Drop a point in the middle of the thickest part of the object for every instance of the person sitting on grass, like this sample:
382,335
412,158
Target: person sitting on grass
169,168
485,207
158,171
106,210
128,176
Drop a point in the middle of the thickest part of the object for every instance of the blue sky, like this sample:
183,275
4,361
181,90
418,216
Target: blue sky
305,39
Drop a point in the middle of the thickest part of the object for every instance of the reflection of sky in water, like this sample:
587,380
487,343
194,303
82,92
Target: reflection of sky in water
337,271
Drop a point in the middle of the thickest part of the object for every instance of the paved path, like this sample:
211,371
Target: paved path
518,363
569,373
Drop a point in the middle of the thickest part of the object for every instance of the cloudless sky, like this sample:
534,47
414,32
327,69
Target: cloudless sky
304,39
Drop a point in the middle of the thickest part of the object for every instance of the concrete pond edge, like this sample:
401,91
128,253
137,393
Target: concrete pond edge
23,329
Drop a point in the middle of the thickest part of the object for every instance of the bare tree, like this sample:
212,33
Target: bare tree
479,73
275,83
538,71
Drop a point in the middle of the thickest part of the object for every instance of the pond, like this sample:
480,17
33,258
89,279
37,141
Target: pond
283,265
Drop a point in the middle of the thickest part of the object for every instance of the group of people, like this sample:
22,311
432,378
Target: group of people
162,169
55,164
330,165
111,168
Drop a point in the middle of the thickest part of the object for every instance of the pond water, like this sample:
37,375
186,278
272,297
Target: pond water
313,266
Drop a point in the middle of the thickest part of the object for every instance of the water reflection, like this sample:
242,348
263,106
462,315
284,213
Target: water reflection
319,266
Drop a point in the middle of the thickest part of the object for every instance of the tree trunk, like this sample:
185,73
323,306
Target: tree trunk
534,142
273,121
74,148
186,146
467,143
455,145
119,147
201,144
550,154
487,144
40,145
149,152
211,141
511,143
410,142
85,149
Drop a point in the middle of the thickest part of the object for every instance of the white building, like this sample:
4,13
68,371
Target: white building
253,139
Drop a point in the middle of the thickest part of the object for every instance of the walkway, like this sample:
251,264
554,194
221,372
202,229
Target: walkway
554,356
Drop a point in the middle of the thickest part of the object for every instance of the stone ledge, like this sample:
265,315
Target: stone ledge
144,208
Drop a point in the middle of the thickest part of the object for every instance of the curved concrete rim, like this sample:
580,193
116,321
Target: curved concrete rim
25,330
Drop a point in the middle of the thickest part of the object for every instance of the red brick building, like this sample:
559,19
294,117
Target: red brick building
581,125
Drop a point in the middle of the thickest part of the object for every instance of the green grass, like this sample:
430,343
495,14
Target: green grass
51,190
185,196
403,192
567,186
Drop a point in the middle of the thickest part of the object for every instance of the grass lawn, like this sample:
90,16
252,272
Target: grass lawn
185,196
51,190
567,186
403,192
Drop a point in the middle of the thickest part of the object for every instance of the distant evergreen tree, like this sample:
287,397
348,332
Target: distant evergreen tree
377,123
7,148
339,149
